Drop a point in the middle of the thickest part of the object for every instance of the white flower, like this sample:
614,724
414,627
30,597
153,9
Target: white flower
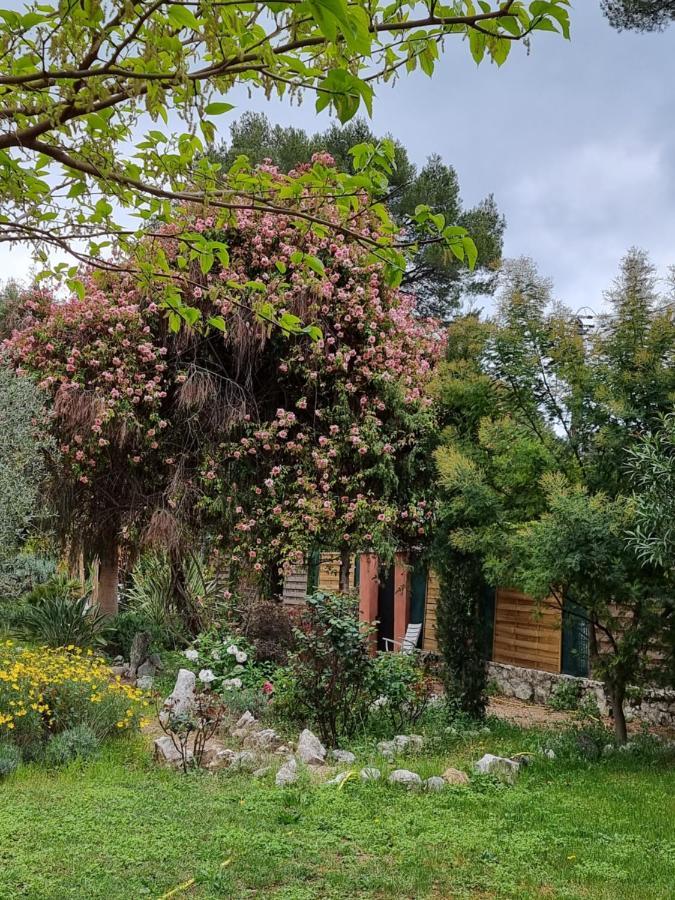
240,656
191,654
206,676
215,654
232,683
232,650
381,701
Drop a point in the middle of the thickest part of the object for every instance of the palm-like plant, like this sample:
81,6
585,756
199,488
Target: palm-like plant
59,613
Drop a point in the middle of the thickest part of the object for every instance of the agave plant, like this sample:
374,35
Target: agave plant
59,613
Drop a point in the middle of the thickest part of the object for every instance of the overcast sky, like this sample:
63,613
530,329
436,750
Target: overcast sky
576,140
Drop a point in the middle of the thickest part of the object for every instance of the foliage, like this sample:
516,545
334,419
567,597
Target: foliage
434,275
111,67
121,630
10,757
267,625
540,417
330,665
22,573
44,692
403,685
225,662
639,15
190,730
22,445
78,742
460,629
566,695
58,613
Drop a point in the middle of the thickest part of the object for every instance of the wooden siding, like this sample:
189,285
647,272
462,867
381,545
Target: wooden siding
429,640
526,633
295,587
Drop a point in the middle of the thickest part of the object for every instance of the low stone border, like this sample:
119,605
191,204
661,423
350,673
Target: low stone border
655,707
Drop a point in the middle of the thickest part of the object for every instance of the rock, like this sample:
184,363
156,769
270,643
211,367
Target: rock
284,750
499,766
118,661
342,756
287,774
310,749
526,759
244,761
140,651
550,754
608,749
181,702
147,668
370,773
156,661
339,778
455,776
408,779
246,720
168,754
267,739
120,671
216,756
145,682
434,784
387,749
260,773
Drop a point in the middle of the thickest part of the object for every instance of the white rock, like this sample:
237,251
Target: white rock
549,753
244,761
260,773
168,754
434,784
181,701
267,739
246,720
145,682
370,773
411,780
339,778
499,766
342,756
310,749
455,776
287,774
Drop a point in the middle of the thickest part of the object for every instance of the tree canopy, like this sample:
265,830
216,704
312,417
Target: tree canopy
639,15
437,278
541,414
77,81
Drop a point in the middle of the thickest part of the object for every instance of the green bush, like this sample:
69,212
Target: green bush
10,757
403,685
125,626
79,742
331,665
566,695
58,614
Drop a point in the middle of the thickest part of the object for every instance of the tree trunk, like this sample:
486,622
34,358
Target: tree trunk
181,596
617,693
345,567
108,577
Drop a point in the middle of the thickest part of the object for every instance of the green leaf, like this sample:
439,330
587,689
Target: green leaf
218,108
217,322
182,17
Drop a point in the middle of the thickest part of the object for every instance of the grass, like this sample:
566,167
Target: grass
118,828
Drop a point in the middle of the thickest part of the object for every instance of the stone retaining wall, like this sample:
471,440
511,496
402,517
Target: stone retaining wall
655,706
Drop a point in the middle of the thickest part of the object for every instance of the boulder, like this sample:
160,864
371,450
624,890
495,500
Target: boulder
455,776
287,774
499,766
216,756
434,784
310,749
145,669
550,754
244,761
140,651
120,670
167,753
409,743
118,661
342,756
339,778
181,702
260,773
387,749
410,780
266,740
370,773
145,682
246,720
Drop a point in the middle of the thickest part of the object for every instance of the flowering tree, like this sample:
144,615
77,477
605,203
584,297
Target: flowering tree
279,442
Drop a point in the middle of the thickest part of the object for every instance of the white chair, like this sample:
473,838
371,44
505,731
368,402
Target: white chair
409,642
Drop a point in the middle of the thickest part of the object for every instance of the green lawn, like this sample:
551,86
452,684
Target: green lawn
117,827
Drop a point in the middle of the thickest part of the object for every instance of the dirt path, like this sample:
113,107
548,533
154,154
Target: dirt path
527,715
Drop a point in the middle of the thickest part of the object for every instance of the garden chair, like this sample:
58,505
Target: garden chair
409,642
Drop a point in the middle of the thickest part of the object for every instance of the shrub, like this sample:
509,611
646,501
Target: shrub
125,626
268,628
10,757
403,685
57,614
225,662
331,665
79,742
44,692
566,695
461,632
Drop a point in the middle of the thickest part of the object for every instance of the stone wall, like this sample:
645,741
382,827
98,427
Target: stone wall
655,706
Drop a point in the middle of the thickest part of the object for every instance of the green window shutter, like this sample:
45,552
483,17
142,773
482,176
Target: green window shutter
575,641
313,566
